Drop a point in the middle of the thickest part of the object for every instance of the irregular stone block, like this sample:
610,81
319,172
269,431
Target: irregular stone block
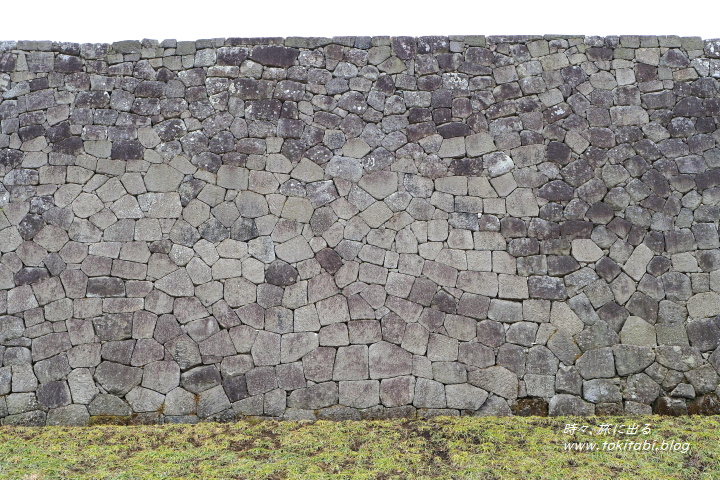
429,394
598,363
161,376
564,404
497,379
274,56
387,360
116,378
314,397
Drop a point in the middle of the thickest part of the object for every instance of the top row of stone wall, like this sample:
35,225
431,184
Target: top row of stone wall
358,227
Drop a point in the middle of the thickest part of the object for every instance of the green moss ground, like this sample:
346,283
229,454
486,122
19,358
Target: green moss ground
442,448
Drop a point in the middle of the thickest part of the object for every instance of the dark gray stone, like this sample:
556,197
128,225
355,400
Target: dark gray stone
126,149
545,287
54,394
329,259
704,334
113,327
281,274
116,378
200,379
105,287
602,390
274,56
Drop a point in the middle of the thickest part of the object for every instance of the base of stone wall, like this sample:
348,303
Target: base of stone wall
77,415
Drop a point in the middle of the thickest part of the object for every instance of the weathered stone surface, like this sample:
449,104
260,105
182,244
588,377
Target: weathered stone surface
212,401
429,394
545,287
704,379
632,358
50,345
398,391
602,391
294,346
387,360
281,274
10,328
497,380
704,305
681,358
288,233
70,415
598,363
637,331
556,191
465,397
116,378
564,404
635,265
703,334
104,404
314,397
359,394
274,56
161,376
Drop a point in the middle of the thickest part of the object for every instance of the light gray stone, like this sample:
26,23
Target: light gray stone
104,404
602,390
703,305
387,360
498,380
161,376
351,363
564,404
631,359
314,397
162,178
637,331
636,265
539,385
597,363
359,394
144,400
429,394
116,378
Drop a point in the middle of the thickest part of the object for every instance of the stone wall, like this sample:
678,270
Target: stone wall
358,228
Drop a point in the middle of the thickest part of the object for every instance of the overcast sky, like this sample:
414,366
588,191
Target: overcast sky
109,21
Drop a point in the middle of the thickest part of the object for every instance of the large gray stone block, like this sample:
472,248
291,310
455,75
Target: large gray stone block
314,397
387,360
498,380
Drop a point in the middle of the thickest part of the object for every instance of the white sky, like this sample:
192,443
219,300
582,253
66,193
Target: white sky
113,20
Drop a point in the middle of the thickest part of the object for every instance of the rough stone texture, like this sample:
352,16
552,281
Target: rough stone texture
349,227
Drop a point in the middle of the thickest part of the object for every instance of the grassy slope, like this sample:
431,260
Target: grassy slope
443,448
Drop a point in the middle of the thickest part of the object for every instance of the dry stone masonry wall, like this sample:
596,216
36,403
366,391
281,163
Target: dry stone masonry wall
358,227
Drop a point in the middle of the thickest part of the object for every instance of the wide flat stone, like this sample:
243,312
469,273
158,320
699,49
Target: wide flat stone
703,305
